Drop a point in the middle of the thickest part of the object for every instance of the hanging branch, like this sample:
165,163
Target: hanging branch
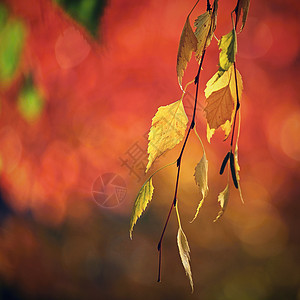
159,246
169,125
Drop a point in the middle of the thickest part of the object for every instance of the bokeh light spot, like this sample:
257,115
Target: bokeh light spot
11,149
289,136
69,40
59,167
256,40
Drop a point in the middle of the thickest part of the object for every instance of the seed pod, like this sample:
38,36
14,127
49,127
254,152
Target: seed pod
224,163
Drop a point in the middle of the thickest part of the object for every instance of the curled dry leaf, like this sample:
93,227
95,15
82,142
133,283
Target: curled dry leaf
242,5
195,42
184,252
143,198
168,128
201,175
222,101
214,18
223,200
187,45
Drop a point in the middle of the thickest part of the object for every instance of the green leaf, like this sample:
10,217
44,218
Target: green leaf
228,46
223,200
184,252
201,175
12,36
30,102
143,198
168,128
85,12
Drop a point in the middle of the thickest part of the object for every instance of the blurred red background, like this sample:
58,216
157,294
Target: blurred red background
74,117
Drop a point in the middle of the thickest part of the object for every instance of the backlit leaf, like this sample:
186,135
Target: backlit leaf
184,252
143,198
242,5
223,200
167,130
209,133
222,101
219,107
228,46
202,24
205,26
187,45
201,174
213,84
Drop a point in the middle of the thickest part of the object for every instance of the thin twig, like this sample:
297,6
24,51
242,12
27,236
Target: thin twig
237,105
159,246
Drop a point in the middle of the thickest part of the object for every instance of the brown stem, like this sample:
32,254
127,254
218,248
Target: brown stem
208,6
159,246
236,13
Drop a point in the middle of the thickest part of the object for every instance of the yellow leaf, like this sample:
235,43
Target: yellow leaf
209,133
184,252
219,107
215,84
167,130
227,127
222,101
205,26
223,200
143,198
242,5
201,174
187,45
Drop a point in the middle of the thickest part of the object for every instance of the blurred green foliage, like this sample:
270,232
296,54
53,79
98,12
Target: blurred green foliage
86,12
30,101
12,36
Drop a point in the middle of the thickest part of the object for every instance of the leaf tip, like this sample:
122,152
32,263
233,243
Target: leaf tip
180,84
